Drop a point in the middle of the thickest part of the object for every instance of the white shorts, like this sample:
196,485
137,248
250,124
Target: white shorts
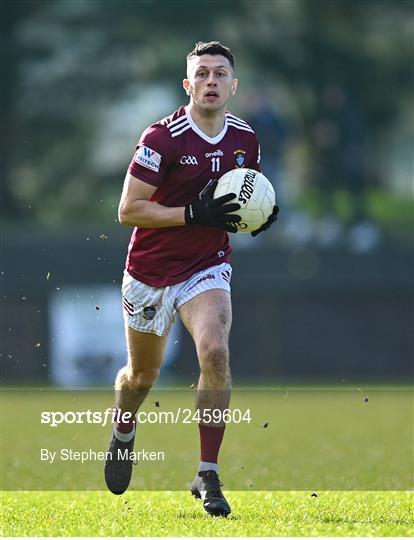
153,309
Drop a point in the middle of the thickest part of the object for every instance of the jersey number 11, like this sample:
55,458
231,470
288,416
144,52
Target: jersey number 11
215,164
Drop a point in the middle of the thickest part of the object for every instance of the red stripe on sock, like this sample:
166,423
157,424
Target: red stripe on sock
125,427
210,442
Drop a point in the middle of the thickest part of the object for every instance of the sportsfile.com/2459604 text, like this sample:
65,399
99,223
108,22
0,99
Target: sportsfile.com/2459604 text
181,415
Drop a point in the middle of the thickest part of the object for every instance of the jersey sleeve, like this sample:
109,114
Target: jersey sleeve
153,155
255,161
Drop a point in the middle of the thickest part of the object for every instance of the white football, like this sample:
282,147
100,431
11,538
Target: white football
254,193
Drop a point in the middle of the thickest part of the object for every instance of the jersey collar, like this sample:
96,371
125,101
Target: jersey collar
200,133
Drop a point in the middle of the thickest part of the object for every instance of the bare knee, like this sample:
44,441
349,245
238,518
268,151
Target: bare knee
136,378
214,357
144,377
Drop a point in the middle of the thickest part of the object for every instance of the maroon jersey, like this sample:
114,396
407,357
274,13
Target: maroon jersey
177,157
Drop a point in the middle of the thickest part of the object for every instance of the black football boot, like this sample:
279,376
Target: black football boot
207,487
118,465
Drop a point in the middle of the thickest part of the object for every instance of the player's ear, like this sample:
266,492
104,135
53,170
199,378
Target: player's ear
186,86
234,86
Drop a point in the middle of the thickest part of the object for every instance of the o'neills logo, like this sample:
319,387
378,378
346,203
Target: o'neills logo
203,278
247,186
216,153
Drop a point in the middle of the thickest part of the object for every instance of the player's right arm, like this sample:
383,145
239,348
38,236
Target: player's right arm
146,173
136,210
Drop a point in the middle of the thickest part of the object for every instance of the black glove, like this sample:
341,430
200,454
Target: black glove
213,212
272,218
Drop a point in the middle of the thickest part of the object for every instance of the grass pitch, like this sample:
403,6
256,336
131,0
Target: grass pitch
178,514
297,440
334,443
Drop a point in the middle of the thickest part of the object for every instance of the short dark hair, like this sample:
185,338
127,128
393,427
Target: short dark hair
212,47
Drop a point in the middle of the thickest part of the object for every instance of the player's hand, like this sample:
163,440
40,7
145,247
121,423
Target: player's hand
213,212
272,218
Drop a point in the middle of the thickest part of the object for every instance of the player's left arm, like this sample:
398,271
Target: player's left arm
255,164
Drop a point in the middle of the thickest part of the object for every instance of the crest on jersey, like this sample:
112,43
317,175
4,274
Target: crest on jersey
239,157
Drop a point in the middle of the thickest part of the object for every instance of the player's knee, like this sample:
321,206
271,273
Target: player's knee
143,377
136,377
214,357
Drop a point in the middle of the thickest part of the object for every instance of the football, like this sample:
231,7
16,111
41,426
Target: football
254,193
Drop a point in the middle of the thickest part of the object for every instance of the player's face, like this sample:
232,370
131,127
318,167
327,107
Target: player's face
210,82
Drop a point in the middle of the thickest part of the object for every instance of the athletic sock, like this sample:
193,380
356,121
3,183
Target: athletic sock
207,466
210,442
124,431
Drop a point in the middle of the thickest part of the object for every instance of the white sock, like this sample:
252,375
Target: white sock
207,466
124,437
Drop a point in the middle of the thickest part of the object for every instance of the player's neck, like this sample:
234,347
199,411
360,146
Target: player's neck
210,122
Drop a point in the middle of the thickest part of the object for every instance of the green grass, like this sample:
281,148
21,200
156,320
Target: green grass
177,514
326,439
351,446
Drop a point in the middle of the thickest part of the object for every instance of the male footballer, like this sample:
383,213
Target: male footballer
178,257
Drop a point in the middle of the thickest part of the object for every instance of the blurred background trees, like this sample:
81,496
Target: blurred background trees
327,84
82,78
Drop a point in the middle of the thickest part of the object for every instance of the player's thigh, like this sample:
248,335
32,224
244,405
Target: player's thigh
145,349
208,317
148,315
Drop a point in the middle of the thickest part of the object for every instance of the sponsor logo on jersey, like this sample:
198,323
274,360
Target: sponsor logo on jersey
216,153
188,160
148,158
239,157
149,312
